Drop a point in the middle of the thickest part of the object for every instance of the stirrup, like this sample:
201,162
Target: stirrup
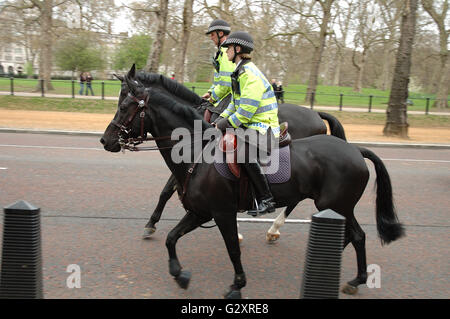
265,207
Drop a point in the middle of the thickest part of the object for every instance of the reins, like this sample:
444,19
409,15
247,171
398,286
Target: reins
130,144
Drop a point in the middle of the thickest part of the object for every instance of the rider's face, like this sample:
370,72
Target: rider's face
230,51
214,38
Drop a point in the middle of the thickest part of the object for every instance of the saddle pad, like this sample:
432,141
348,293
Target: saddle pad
281,176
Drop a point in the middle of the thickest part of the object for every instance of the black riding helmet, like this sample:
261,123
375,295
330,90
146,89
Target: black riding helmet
241,38
219,25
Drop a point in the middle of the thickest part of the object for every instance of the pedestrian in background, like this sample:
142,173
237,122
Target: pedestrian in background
280,92
89,79
82,82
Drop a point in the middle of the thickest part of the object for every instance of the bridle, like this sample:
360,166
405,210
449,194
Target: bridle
129,143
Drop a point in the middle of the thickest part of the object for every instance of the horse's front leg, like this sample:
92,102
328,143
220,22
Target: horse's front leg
228,228
189,222
165,195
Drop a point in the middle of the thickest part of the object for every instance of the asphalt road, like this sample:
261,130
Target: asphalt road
94,205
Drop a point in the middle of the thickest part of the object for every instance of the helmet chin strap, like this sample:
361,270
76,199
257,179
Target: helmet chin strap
218,39
235,54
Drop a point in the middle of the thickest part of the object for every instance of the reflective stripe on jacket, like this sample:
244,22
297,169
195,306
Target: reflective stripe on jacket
222,81
256,107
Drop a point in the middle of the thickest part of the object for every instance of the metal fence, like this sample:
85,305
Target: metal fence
111,88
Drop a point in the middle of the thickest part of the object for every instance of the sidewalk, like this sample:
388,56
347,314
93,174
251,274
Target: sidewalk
93,124
318,107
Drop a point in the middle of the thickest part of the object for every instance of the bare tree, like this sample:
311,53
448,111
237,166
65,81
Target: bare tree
317,37
397,118
343,22
443,75
44,17
367,35
390,11
187,26
156,49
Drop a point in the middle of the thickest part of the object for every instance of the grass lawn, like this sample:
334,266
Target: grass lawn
9,102
294,93
109,107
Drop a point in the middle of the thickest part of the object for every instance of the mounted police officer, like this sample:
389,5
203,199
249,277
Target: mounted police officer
253,107
219,94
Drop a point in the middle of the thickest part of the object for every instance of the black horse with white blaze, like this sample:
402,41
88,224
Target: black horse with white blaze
324,168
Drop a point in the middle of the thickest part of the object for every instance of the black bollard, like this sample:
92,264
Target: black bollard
21,269
321,277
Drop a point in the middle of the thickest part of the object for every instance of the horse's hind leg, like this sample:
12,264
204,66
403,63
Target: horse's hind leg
228,228
165,195
273,234
188,223
356,235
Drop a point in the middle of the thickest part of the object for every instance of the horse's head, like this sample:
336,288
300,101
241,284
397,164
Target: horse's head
128,122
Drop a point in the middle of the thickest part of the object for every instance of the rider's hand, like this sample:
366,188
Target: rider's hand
206,96
222,124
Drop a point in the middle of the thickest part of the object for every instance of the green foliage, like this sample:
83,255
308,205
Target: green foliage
133,50
28,69
79,53
204,73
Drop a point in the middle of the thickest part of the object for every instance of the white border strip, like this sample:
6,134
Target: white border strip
271,220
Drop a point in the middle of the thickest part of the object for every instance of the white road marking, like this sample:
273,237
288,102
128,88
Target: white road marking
53,147
101,149
3,167
414,160
271,220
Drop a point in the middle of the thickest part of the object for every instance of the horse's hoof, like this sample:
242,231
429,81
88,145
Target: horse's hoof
240,237
272,237
349,289
148,232
183,279
233,294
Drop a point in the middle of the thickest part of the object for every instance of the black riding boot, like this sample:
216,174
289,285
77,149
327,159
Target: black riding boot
264,197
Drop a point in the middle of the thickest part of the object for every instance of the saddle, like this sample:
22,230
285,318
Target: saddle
228,145
230,169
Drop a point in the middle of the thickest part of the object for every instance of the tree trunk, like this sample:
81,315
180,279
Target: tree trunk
397,117
360,67
337,70
154,56
187,26
45,63
318,50
386,62
443,86
442,76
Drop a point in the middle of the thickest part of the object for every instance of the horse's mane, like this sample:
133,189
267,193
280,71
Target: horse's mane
185,111
170,85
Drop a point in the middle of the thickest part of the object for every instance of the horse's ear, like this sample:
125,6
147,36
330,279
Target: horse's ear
131,84
120,77
132,73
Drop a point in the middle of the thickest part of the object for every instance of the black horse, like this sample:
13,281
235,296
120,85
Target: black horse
302,122
324,168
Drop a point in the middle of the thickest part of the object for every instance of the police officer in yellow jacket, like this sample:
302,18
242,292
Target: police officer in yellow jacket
254,107
219,93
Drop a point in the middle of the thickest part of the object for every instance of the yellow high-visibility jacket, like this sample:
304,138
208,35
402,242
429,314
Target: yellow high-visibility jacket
222,81
256,106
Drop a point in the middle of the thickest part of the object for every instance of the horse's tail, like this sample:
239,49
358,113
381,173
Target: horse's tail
336,128
388,226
